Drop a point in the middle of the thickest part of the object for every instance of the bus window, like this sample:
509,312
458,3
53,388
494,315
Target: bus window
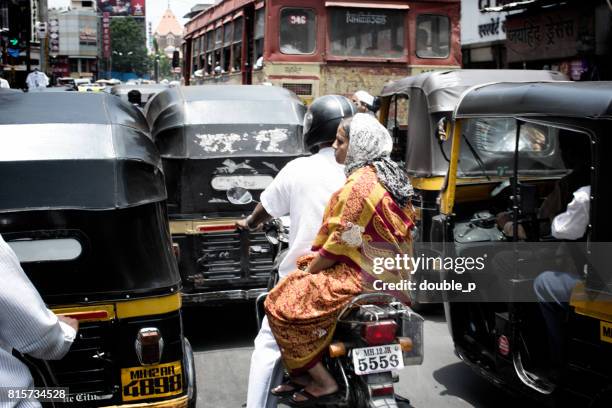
357,32
297,31
237,46
228,37
218,46
260,18
432,36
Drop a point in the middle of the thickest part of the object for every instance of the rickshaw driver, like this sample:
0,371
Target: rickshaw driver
553,288
301,189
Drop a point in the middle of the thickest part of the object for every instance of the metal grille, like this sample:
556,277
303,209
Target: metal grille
299,89
221,255
86,367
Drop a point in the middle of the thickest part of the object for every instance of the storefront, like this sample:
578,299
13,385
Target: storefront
568,38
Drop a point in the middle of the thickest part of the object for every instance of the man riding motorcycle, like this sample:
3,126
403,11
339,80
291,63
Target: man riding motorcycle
301,189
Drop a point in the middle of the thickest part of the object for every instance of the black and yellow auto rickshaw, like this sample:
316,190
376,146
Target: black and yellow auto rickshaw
539,129
212,138
417,111
83,205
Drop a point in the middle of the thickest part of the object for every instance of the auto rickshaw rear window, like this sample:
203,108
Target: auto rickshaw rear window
46,250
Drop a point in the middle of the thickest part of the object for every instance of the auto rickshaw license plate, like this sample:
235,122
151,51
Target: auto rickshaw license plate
606,331
157,381
368,360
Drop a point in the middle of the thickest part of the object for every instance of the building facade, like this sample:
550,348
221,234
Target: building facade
169,34
77,30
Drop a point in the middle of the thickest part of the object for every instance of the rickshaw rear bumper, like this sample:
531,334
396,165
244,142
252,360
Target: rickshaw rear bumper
220,296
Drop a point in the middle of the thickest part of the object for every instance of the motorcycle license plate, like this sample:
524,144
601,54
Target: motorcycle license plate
148,382
378,359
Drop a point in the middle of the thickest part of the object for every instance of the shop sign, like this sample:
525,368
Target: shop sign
549,35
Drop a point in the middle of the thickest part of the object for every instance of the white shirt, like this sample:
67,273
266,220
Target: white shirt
4,83
572,223
37,80
302,189
26,325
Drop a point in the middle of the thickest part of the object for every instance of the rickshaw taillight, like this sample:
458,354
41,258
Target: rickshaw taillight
375,333
149,346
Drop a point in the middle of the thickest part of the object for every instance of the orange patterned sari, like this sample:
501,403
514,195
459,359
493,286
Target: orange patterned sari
361,222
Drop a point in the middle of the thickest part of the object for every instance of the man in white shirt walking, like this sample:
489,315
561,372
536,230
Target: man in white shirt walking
301,189
27,326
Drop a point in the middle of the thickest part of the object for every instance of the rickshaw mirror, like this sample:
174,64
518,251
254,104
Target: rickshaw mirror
239,195
441,130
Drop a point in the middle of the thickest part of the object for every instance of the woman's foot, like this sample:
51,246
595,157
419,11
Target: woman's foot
315,391
291,386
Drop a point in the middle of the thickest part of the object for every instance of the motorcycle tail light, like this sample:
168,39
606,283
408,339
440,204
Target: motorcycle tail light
375,333
380,390
149,346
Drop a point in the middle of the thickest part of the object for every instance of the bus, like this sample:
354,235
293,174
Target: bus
319,47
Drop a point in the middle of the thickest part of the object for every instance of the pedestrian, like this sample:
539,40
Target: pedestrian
37,80
27,326
3,82
301,189
365,102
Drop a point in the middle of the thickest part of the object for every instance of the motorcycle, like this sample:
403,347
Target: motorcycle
376,336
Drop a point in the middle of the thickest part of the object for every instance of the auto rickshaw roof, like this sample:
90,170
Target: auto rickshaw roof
444,88
201,122
224,104
74,150
589,100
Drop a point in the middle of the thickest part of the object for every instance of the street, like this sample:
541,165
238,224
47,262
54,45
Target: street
222,338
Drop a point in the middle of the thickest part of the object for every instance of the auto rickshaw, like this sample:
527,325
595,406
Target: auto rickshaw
417,111
508,339
213,138
83,205
138,94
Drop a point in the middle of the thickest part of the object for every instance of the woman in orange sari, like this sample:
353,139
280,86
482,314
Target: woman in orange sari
369,217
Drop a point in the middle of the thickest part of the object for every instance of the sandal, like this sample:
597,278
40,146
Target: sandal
287,393
312,400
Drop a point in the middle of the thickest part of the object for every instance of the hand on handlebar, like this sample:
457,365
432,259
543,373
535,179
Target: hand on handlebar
243,224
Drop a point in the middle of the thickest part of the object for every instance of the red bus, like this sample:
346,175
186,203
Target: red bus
318,47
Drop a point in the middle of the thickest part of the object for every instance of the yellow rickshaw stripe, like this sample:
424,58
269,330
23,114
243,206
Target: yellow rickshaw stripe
430,184
174,403
147,307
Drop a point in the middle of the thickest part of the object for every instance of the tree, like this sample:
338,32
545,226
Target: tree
165,66
128,43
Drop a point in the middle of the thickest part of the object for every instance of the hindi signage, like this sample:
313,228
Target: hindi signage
549,35
106,40
365,18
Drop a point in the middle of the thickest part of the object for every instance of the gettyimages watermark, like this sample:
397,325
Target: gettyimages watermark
498,271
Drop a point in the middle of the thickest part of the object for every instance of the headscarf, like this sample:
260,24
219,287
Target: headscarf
370,144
